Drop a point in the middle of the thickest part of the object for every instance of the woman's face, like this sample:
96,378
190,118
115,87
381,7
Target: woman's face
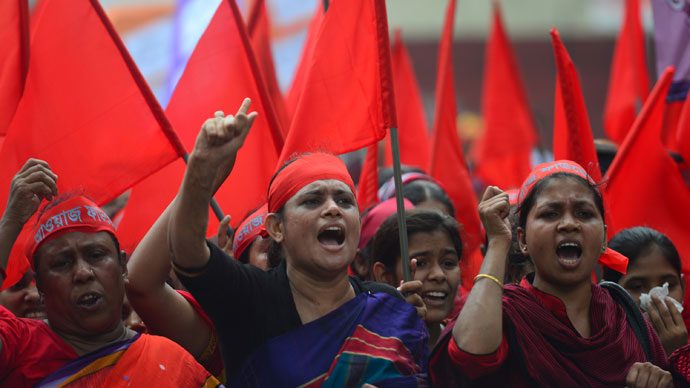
564,234
651,269
22,299
320,227
437,268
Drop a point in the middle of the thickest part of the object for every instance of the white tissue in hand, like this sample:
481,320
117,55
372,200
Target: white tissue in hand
662,293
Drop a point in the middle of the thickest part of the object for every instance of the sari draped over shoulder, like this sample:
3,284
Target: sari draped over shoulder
142,361
373,338
544,351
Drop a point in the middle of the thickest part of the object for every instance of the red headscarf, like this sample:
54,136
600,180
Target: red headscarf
77,214
248,231
303,171
610,258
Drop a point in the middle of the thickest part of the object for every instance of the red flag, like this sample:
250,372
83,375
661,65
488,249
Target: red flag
258,28
86,109
14,61
572,134
347,101
447,160
629,80
220,73
683,132
413,130
503,152
644,182
293,95
369,179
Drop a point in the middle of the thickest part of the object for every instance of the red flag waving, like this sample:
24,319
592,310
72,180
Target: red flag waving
293,95
86,109
220,73
572,134
14,61
369,179
347,101
503,152
413,130
447,160
629,80
644,183
258,28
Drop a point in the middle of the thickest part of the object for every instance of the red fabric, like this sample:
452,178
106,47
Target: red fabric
14,62
539,321
447,159
86,110
644,182
248,231
347,100
22,336
503,152
258,28
77,214
683,133
220,73
629,79
379,213
413,130
369,179
303,171
299,78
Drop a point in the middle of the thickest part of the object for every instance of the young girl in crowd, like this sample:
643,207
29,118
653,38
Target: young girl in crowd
305,321
653,261
434,243
556,328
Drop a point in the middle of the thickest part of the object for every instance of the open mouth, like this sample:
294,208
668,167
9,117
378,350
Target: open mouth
88,300
434,297
37,313
332,236
569,253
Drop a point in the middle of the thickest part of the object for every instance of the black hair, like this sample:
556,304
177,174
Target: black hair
530,199
386,248
385,174
420,190
635,242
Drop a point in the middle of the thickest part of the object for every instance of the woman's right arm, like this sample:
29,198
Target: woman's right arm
479,327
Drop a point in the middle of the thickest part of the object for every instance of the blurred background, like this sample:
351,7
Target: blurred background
160,35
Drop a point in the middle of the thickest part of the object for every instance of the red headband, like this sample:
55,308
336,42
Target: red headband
610,258
379,213
545,169
77,214
303,171
248,231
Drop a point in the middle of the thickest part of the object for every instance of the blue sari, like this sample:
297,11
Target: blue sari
373,338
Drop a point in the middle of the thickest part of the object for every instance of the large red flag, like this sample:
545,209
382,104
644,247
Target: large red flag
369,179
14,61
629,79
347,101
413,130
503,152
572,134
258,28
221,72
447,160
295,91
645,185
86,109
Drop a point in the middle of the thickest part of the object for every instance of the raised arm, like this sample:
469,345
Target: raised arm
33,183
479,328
209,164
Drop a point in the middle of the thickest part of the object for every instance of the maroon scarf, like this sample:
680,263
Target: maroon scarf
551,352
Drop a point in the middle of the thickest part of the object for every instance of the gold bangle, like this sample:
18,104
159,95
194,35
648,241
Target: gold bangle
483,275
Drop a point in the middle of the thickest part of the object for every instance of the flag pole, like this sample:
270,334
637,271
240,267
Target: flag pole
214,204
402,226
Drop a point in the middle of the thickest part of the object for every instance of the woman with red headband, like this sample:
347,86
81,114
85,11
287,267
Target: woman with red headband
305,321
556,328
81,275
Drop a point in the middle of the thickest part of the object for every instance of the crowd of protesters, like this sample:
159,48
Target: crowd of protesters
277,304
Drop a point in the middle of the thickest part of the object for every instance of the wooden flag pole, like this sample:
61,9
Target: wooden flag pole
402,226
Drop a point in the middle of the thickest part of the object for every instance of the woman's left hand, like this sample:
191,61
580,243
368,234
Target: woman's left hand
410,290
668,323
